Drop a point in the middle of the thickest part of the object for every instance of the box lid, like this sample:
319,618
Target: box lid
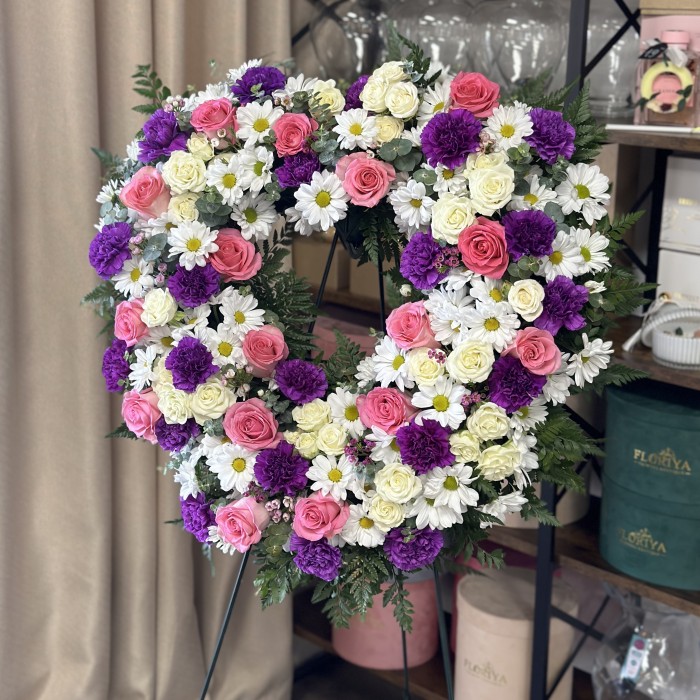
669,7
647,402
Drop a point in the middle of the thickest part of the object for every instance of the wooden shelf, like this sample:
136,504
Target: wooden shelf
576,547
640,357
688,143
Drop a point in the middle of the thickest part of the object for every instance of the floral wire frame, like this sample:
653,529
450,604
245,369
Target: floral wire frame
351,471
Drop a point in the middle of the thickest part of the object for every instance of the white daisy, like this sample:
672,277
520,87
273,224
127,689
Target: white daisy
294,84
193,241
255,216
509,503
224,345
436,99
587,364
449,486
365,372
193,323
331,476
508,126
161,338
301,225
585,190
390,364
109,192
186,475
565,259
457,279
132,151
135,278
235,74
360,529
592,247
537,197
210,443
226,175
447,312
412,206
160,224
257,167
529,460
441,402
485,289
233,465
491,323
452,181
212,91
141,374
594,287
556,389
355,129
323,201
414,136
428,514
343,405
527,417
255,121
385,449
241,313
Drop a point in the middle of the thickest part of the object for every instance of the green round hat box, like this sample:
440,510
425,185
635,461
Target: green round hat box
650,515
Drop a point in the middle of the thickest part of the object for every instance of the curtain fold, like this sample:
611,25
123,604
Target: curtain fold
99,598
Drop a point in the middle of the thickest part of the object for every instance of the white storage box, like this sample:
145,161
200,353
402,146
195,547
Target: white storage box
680,225
679,272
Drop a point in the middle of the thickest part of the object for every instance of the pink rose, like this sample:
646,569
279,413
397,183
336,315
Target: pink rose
216,119
241,523
263,349
251,424
128,325
236,260
146,193
475,92
293,132
483,248
140,413
319,516
409,327
536,350
365,179
387,409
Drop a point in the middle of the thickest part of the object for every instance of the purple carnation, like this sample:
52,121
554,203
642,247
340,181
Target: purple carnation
318,559
114,365
551,135
416,551
301,381
279,469
256,82
512,386
420,261
563,301
529,232
449,137
425,446
298,169
161,136
191,364
173,436
193,287
197,515
352,96
109,249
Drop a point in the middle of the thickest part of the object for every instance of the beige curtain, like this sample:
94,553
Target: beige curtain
99,599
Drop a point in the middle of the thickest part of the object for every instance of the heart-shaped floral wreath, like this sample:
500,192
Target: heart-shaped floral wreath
352,470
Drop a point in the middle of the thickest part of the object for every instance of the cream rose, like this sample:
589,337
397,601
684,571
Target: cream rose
328,94
174,404
210,400
490,188
488,422
526,296
386,514
183,207
470,361
402,100
306,445
486,161
313,415
499,461
373,94
200,147
465,446
422,368
451,215
397,483
391,71
184,172
159,308
162,377
388,129
332,439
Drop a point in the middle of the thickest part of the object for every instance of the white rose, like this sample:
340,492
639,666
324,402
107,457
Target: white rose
499,461
174,404
391,71
488,422
306,445
422,368
159,307
184,172
162,377
465,446
490,189
486,161
183,207
373,94
402,100
328,94
470,361
331,439
386,514
397,482
451,215
313,415
210,400
198,145
388,129
526,296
